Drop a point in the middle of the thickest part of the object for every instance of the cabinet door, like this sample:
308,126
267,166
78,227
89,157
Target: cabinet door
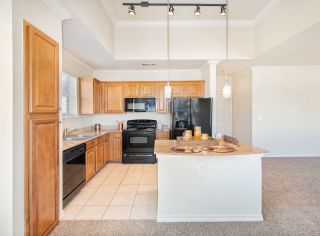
131,90
117,146
43,174
192,89
111,147
90,162
114,99
147,89
106,150
42,72
177,89
99,156
96,96
162,102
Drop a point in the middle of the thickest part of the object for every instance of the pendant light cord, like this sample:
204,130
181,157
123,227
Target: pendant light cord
227,40
168,41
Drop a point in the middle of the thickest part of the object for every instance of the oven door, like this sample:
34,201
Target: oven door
139,141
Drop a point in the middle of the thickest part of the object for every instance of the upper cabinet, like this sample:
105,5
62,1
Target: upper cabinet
113,97
91,96
147,89
177,88
108,97
43,79
193,89
131,89
162,102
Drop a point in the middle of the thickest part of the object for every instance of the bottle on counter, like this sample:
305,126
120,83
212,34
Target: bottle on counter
197,133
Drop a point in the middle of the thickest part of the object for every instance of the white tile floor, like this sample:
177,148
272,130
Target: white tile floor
117,192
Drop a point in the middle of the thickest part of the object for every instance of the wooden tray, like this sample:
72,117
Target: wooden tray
179,149
209,142
219,149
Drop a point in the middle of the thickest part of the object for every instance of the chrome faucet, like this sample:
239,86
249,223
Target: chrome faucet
66,132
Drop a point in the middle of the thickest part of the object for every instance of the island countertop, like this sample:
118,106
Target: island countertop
164,147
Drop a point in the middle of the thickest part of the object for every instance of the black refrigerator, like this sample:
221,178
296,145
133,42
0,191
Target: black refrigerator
189,112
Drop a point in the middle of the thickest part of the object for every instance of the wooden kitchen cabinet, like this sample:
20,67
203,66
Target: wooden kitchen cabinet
131,89
113,98
106,149
193,89
162,102
147,89
116,147
90,162
91,96
41,127
163,135
177,88
99,156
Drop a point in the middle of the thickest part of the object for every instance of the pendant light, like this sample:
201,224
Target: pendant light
227,86
168,88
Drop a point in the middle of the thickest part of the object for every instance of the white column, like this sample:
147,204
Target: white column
210,76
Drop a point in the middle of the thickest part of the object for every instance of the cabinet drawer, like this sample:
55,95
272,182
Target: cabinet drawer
100,139
162,134
91,143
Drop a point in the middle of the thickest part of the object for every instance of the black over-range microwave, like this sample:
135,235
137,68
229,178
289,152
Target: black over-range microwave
140,104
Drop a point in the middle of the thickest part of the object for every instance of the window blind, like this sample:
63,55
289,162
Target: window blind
69,96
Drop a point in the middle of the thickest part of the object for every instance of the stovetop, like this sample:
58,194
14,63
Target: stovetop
147,125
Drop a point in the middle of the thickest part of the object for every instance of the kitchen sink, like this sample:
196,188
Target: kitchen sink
79,137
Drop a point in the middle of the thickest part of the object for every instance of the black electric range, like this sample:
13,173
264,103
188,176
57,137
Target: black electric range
138,141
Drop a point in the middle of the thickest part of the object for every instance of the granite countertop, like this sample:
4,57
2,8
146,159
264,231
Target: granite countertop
70,144
163,147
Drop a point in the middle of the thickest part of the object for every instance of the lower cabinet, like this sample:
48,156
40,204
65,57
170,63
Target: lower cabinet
99,156
117,146
106,157
90,162
102,150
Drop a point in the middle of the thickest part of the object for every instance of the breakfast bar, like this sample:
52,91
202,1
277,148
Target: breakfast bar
209,186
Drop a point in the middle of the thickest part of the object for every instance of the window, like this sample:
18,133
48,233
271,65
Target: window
69,96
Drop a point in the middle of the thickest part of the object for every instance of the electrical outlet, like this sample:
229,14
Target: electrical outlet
201,168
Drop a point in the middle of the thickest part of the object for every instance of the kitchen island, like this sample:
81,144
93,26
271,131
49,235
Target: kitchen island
209,186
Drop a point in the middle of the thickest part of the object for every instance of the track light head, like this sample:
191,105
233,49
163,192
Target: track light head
197,11
171,11
131,10
223,11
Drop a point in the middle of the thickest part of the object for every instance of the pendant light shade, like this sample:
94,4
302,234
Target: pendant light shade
167,91
227,90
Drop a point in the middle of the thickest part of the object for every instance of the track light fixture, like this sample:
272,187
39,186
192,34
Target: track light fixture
131,10
171,11
223,11
223,6
197,11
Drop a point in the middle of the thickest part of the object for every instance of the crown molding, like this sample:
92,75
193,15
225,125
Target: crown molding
109,11
236,23
59,9
266,11
145,71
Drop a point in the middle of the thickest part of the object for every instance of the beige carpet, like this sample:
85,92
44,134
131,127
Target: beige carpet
291,206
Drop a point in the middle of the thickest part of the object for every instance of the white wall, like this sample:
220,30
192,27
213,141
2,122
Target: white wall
285,106
6,105
37,13
191,43
287,19
242,106
73,66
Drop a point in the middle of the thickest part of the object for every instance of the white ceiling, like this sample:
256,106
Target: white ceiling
239,10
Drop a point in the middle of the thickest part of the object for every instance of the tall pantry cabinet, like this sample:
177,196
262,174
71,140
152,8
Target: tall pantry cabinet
41,88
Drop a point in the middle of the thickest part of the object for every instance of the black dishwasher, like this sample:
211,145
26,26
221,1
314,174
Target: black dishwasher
74,171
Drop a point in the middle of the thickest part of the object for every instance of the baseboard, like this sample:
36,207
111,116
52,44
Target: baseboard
201,218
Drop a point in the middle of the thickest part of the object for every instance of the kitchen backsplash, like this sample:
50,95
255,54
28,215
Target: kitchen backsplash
111,119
